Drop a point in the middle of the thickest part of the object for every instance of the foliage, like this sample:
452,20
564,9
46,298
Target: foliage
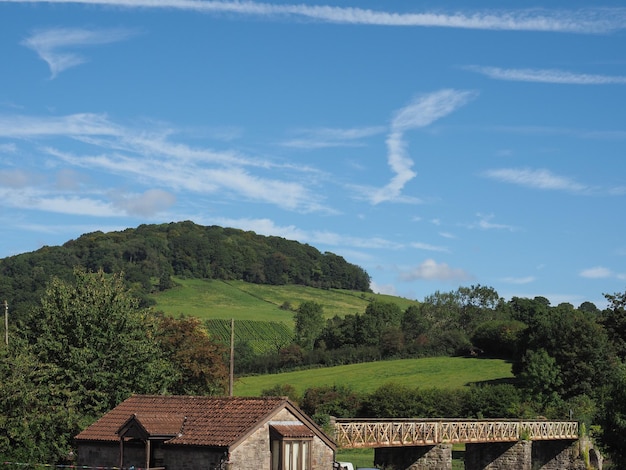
340,401
540,375
309,323
499,338
578,345
98,340
614,416
614,321
86,348
151,254
198,361
493,401
282,390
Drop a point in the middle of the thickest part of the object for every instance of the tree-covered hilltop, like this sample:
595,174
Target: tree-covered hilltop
184,249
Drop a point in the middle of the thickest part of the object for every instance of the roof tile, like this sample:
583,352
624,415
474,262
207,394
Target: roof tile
208,421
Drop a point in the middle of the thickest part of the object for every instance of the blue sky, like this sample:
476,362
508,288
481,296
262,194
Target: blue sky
436,144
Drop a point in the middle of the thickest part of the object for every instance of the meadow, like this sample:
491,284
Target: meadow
218,299
440,372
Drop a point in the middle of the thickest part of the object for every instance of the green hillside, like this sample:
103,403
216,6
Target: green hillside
210,299
440,372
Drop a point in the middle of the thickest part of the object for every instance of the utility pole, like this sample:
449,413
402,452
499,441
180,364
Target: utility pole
231,378
6,322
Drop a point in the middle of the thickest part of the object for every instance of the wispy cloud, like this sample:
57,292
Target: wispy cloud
519,280
40,199
539,179
431,270
145,204
601,272
324,138
8,148
429,247
55,46
152,156
484,222
547,76
421,112
589,20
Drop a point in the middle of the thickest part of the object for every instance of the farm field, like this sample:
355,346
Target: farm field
440,372
211,299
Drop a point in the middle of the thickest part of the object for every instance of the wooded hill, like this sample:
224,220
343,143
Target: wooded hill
150,254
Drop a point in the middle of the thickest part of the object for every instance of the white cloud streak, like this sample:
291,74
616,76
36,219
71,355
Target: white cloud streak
538,179
548,76
590,20
421,112
325,138
519,280
484,223
52,45
429,247
600,272
431,270
151,157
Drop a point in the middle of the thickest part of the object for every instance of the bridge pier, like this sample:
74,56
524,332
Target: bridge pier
518,455
556,455
523,455
499,456
437,457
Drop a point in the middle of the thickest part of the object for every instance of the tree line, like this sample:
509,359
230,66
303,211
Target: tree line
150,255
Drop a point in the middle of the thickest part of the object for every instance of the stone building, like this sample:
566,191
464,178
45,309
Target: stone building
185,433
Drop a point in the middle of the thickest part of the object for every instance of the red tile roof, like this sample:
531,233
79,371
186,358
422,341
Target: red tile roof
206,421
293,430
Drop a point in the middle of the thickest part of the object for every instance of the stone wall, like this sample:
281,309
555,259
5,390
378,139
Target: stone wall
499,456
437,457
557,455
255,454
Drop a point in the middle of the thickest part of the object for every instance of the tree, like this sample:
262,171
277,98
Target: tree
478,304
101,342
86,348
577,343
197,360
541,375
614,321
614,417
335,400
309,323
37,416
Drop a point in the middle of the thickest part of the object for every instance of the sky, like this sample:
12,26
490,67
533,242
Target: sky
436,144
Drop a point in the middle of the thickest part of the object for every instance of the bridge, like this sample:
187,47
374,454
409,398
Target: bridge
427,443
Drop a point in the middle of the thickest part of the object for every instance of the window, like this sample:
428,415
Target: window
290,445
291,454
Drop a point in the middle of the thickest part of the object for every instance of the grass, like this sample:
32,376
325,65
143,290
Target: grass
365,457
208,299
440,372
358,457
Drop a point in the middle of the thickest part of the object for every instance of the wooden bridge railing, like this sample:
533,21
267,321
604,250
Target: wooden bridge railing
352,433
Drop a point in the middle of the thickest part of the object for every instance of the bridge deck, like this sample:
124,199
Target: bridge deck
355,433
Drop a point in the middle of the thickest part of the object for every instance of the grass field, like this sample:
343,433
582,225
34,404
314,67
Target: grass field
441,372
207,299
